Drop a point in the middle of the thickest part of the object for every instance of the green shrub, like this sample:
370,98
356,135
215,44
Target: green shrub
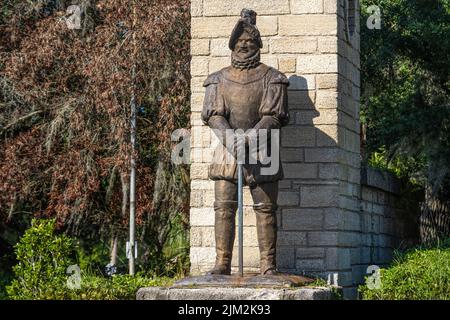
118,287
421,274
401,167
43,258
92,257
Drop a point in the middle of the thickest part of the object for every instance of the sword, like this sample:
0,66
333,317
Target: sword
240,220
240,161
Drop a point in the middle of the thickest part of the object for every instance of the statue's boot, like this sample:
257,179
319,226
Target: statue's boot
224,227
266,227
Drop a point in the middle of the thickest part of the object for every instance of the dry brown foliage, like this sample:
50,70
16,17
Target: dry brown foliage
65,109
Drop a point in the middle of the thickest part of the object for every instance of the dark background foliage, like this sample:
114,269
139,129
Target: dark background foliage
405,89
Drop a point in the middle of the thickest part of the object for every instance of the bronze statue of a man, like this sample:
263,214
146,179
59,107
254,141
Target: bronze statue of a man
246,95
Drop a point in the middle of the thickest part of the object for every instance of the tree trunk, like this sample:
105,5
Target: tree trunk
113,259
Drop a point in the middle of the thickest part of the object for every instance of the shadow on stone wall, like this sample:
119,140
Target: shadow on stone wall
309,190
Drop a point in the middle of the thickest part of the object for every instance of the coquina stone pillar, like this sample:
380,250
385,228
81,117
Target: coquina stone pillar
316,44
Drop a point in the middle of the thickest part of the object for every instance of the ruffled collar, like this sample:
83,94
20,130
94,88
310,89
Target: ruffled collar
246,76
249,63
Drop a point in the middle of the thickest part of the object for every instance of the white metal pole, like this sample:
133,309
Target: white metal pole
131,244
132,187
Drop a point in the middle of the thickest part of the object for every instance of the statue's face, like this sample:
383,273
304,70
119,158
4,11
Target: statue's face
246,47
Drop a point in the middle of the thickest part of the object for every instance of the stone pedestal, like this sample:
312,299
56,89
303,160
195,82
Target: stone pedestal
249,287
158,293
247,281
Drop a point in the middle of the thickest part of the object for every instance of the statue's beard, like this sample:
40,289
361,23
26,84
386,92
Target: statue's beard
247,63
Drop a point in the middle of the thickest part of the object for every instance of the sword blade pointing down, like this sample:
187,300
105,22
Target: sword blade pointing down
240,220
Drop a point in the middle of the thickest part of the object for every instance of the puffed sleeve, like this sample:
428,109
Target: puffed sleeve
274,109
214,112
213,104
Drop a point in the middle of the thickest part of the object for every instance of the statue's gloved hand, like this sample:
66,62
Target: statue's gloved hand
240,147
231,146
224,133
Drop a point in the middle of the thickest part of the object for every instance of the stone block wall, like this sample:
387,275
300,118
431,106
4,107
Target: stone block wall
387,224
300,39
323,229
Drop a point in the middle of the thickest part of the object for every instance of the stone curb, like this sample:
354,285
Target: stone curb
164,293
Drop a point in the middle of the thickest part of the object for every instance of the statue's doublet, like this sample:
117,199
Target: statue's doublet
243,98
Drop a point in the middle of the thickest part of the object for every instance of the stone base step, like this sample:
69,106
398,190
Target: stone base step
214,293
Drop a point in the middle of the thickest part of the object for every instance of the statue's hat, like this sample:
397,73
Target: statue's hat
247,22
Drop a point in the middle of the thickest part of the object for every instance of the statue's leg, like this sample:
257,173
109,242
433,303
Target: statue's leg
265,199
225,206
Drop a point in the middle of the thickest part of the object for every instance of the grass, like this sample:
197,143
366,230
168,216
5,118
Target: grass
95,287
118,287
420,274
